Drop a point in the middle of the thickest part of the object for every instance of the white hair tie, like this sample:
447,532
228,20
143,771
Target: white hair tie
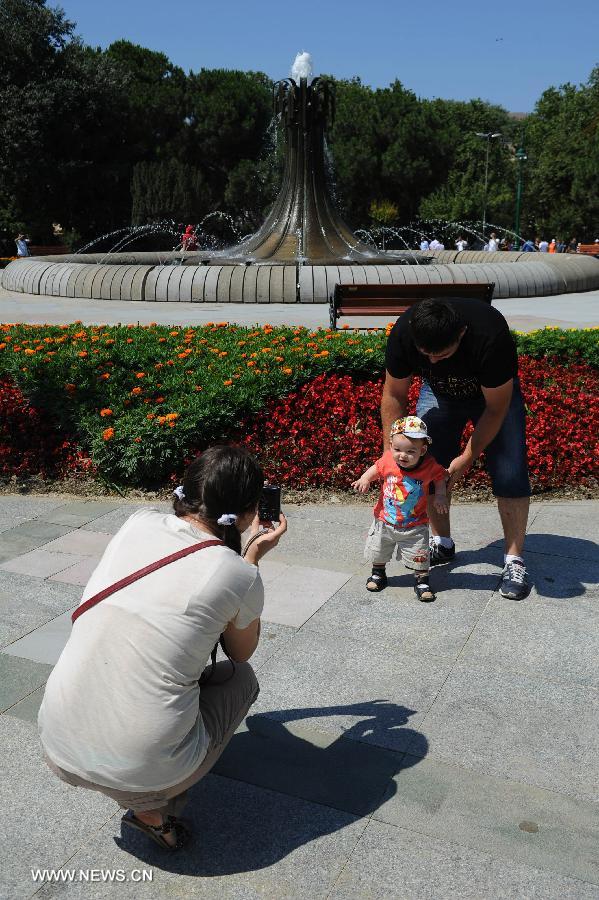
227,519
179,492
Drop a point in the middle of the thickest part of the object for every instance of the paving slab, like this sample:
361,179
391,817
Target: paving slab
529,638
40,563
36,800
27,602
393,862
561,579
301,761
28,708
46,643
19,678
79,574
250,843
297,592
519,727
398,621
513,821
34,528
110,522
78,513
81,543
566,529
351,687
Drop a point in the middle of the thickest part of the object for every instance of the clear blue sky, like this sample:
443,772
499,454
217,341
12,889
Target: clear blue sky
506,53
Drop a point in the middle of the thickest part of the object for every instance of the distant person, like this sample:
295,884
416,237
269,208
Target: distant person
493,245
22,246
573,246
424,244
189,240
406,471
552,245
543,246
529,246
436,245
461,244
561,246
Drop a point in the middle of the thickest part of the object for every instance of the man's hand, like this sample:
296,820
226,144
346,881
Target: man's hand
458,468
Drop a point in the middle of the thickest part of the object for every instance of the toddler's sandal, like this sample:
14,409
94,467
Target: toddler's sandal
424,592
376,582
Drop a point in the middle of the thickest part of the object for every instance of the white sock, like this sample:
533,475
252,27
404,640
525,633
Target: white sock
444,541
509,557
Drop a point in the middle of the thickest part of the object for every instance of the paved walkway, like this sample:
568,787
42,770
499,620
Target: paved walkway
523,314
397,750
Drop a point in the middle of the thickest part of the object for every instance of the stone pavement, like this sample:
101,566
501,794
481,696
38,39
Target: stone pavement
397,749
523,314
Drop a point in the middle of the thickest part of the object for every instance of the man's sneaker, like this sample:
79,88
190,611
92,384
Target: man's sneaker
514,584
440,554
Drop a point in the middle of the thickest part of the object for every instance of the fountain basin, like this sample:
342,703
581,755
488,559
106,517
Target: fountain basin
199,278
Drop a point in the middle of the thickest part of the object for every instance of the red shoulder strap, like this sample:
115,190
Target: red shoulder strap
135,576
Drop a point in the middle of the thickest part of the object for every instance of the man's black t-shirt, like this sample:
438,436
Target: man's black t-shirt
486,355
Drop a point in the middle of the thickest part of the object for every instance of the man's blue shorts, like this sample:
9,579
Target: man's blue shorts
505,457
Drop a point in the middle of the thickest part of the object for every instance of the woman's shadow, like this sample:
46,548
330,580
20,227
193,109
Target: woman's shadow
278,788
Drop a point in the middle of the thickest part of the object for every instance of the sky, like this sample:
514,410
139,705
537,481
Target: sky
505,53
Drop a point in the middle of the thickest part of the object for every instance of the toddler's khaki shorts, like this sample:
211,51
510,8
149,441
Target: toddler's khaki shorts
409,544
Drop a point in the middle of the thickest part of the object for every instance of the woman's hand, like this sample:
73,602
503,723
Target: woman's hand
266,541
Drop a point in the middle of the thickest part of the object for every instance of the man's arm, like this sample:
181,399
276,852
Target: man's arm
394,403
497,402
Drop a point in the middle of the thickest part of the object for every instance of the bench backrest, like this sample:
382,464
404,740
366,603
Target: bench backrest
393,299
50,250
592,249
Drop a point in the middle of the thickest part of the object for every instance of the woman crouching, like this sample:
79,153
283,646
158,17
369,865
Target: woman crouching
124,712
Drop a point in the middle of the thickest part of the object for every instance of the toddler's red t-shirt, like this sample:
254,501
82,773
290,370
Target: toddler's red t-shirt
404,492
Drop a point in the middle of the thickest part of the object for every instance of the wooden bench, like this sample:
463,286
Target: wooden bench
392,299
588,249
50,250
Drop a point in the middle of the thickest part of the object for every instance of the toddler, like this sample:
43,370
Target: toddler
400,518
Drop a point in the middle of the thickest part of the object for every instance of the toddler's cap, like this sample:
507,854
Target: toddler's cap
412,427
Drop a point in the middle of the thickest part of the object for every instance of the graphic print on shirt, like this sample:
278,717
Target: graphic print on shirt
400,498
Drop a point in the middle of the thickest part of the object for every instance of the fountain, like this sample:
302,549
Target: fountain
302,250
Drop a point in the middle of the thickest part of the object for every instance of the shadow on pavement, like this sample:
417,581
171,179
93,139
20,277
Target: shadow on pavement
248,820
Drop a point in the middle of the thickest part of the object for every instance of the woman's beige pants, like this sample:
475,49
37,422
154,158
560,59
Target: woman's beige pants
224,703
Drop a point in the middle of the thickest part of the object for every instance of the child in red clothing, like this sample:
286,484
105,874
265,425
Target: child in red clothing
400,517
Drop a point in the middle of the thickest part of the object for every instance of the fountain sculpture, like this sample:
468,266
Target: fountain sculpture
302,250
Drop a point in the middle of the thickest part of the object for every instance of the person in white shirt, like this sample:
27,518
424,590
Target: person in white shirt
424,245
130,709
461,244
436,245
493,244
543,246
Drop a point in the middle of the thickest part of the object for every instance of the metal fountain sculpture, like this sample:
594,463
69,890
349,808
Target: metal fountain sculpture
302,250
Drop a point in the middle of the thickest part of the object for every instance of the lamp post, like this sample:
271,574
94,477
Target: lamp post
488,136
521,157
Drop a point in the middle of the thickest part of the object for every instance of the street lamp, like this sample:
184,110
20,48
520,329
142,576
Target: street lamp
488,136
521,157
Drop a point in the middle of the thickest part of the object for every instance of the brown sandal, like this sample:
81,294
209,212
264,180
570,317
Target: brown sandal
156,832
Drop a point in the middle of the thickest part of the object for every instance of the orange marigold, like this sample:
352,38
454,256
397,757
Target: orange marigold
108,434
136,390
228,382
105,412
105,376
140,374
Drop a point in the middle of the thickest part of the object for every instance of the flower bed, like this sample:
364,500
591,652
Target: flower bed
135,401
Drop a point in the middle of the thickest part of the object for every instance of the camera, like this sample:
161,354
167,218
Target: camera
269,507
